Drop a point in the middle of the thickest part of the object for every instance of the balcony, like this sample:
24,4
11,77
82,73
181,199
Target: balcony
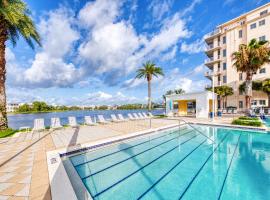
212,34
208,75
211,61
211,48
208,86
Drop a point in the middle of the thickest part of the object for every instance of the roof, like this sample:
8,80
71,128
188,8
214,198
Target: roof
243,15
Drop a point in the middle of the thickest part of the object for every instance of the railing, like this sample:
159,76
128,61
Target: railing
214,32
208,73
195,129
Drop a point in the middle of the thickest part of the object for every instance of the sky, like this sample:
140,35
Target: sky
91,49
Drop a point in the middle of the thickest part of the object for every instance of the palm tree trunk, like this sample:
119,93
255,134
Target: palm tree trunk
149,95
248,89
3,39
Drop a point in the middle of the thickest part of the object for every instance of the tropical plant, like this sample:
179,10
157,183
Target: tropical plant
14,22
223,92
179,91
256,85
147,71
249,59
266,89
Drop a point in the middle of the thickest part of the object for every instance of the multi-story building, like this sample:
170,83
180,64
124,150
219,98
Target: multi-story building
12,107
225,40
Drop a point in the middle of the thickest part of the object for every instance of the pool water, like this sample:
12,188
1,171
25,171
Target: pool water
180,164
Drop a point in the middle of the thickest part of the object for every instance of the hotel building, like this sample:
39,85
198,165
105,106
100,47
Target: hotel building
225,40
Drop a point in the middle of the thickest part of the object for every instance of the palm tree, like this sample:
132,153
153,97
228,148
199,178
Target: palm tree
179,91
226,91
249,59
266,89
14,22
223,92
147,71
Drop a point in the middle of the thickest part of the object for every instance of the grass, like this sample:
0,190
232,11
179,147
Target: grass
6,133
247,121
160,116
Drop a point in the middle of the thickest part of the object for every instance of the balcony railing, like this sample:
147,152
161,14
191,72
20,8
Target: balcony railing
215,32
211,46
208,74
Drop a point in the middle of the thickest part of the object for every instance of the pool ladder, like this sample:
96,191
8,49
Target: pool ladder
197,130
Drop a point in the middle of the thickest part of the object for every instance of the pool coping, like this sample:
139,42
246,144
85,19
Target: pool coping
61,187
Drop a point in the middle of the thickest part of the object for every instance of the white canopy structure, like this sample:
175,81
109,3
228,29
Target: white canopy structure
198,104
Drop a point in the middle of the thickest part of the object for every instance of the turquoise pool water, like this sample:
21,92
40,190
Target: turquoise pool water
180,164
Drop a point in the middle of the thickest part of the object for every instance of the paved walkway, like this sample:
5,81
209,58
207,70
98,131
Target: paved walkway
23,164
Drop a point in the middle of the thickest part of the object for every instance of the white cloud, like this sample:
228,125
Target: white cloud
194,47
100,98
191,7
115,49
160,8
49,67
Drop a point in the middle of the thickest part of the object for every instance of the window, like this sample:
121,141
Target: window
262,102
240,77
262,22
224,40
224,52
240,33
262,71
263,12
240,104
253,102
224,66
262,38
218,78
218,67
252,26
224,79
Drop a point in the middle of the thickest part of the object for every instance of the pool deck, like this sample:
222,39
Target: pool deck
23,161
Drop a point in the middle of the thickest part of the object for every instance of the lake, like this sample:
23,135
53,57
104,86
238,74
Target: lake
16,121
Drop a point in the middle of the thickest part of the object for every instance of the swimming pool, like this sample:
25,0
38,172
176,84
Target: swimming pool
180,164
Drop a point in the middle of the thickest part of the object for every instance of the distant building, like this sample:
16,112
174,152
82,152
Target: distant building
12,107
225,40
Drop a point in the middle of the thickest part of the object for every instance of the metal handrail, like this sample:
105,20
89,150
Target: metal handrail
185,122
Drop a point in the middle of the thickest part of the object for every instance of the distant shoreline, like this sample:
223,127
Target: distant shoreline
53,111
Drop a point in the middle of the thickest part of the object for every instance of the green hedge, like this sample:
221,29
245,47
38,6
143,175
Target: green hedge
248,118
7,132
256,123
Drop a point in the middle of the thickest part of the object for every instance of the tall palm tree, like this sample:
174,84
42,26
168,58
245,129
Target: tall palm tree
14,22
266,89
227,91
179,91
249,59
147,71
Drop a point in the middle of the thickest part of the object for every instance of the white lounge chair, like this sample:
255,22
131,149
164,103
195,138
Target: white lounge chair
88,121
136,116
38,125
131,117
229,111
141,116
55,123
72,122
102,120
114,118
234,111
224,111
145,115
150,115
120,116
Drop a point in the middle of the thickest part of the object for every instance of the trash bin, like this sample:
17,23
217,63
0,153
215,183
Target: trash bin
211,114
219,113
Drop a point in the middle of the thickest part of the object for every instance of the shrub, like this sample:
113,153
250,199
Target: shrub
256,123
248,118
7,132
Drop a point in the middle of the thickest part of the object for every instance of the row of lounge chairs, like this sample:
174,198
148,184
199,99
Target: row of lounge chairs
56,123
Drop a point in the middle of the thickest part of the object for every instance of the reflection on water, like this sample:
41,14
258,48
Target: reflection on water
19,120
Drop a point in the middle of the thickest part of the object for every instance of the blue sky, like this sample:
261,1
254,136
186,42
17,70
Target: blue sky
92,49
